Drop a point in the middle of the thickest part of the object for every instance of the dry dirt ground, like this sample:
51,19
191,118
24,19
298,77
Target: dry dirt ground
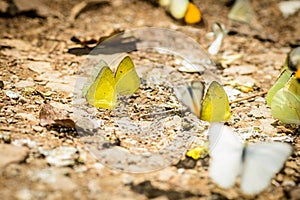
39,162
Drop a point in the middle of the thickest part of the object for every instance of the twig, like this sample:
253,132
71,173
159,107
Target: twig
249,97
80,7
159,113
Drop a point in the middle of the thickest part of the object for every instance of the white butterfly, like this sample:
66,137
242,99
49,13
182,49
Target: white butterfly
255,164
191,95
219,33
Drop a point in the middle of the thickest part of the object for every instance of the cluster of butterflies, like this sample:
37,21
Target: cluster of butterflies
182,9
255,164
187,11
284,96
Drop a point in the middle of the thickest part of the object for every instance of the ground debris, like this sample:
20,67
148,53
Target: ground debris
34,8
39,61
150,191
85,5
12,154
61,156
50,116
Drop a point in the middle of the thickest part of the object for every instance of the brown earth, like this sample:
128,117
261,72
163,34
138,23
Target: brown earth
36,66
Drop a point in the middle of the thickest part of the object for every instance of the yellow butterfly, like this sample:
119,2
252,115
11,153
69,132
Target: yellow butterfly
279,84
103,92
241,11
215,105
213,108
285,104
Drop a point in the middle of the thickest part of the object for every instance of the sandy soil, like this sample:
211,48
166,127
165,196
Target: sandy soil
37,68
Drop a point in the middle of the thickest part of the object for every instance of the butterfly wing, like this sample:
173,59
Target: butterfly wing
93,76
285,106
226,153
191,96
178,8
127,79
219,36
193,14
262,161
294,87
241,11
280,83
215,105
101,93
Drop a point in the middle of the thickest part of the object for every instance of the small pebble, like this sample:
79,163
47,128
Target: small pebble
9,120
40,67
22,100
181,170
6,138
288,183
25,142
23,84
81,169
166,175
127,179
280,177
11,94
242,70
61,156
98,166
292,165
289,171
38,128
56,179
23,194
14,78
26,116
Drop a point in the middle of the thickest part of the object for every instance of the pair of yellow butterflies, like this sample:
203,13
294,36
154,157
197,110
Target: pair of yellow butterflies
102,91
284,98
214,107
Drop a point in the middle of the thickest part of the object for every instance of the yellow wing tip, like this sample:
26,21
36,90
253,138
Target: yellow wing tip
193,14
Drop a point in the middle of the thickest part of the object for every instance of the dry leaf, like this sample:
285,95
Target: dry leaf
51,116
